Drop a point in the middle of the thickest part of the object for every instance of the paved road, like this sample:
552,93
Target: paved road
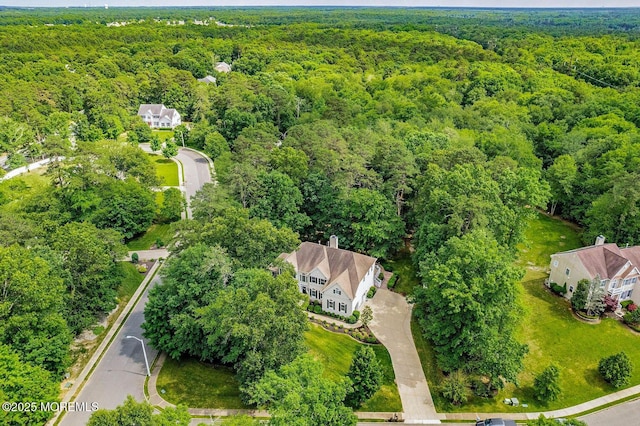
121,371
627,414
392,325
196,173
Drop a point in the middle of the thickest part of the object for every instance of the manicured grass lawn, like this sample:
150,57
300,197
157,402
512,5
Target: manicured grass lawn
543,237
164,135
551,332
146,240
166,170
335,351
198,384
130,282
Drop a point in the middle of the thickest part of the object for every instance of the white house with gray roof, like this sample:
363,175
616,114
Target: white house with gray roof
615,269
158,116
339,279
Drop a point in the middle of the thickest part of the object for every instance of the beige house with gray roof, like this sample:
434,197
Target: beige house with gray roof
616,269
339,279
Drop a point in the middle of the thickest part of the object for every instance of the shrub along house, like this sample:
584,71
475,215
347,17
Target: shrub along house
338,279
615,269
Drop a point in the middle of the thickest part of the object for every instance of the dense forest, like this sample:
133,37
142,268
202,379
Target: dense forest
446,127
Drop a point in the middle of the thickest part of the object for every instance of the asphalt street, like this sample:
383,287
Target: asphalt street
627,414
196,173
121,371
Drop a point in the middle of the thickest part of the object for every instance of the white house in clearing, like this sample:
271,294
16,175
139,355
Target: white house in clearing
158,116
339,279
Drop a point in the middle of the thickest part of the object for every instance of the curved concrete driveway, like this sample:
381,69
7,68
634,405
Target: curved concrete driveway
392,326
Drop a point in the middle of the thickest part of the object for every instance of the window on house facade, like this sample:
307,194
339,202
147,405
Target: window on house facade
614,284
303,278
314,293
321,281
603,283
304,290
626,281
571,288
567,271
336,291
342,307
555,263
634,280
331,304
313,280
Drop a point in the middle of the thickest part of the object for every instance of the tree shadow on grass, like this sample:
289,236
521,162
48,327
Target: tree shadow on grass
593,377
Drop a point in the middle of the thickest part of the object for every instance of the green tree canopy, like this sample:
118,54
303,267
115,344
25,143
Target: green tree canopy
299,395
365,375
466,307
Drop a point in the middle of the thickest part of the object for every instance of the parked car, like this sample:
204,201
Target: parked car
495,422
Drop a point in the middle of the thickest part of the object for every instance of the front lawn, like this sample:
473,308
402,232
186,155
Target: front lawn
335,351
163,135
202,385
166,170
199,384
154,233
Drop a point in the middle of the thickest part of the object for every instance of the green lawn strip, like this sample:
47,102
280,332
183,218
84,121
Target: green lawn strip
335,351
402,265
166,170
146,240
131,281
428,360
198,384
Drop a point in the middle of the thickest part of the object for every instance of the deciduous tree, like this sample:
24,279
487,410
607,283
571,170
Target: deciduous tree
365,375
466,307
616,369
546,385
300,395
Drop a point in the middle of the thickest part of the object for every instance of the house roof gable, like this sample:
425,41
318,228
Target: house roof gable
342,267
607,261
